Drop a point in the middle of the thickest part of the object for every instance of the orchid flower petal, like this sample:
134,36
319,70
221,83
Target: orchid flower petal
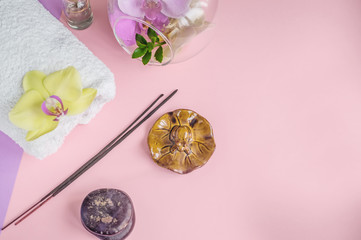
47,127
131,7
33,80
82,103
64,83
175,8
27,113
126,30
161,21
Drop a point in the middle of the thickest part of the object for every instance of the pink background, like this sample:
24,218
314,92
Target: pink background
280,84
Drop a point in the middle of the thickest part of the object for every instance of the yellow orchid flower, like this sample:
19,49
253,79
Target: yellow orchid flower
47,99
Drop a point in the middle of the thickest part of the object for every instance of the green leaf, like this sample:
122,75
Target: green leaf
146,58
150,46
159,54
151,33
141,45
141,42
139,52
154,39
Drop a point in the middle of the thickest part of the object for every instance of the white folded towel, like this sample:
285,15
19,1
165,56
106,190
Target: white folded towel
32,39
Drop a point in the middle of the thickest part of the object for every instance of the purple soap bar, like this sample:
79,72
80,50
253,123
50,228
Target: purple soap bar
108,214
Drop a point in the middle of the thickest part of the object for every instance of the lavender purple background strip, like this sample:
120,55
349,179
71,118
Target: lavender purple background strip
10,152
53,6
10,159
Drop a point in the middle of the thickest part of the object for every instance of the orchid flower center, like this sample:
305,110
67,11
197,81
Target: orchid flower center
152,8
53,106
151,4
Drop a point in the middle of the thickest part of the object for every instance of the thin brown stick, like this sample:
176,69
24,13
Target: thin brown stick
34,209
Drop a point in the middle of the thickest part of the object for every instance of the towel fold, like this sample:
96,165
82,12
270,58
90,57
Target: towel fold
32,39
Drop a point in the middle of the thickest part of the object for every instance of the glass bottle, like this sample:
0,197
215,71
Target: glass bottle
78,13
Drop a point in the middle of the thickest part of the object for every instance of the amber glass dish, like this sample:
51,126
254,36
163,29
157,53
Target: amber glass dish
181,141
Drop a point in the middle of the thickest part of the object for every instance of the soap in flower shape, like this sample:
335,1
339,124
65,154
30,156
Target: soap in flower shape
181,141
49,98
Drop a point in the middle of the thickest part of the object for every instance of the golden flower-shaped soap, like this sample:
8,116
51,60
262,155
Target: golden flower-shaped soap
181,141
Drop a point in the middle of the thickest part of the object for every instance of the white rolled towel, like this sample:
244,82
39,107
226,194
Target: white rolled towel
32,39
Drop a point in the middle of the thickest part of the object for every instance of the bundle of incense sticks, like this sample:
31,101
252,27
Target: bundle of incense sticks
133,126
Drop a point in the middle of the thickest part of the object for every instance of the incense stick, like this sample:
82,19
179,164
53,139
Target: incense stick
93,160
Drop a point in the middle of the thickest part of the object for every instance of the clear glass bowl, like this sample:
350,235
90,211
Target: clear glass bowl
181,31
